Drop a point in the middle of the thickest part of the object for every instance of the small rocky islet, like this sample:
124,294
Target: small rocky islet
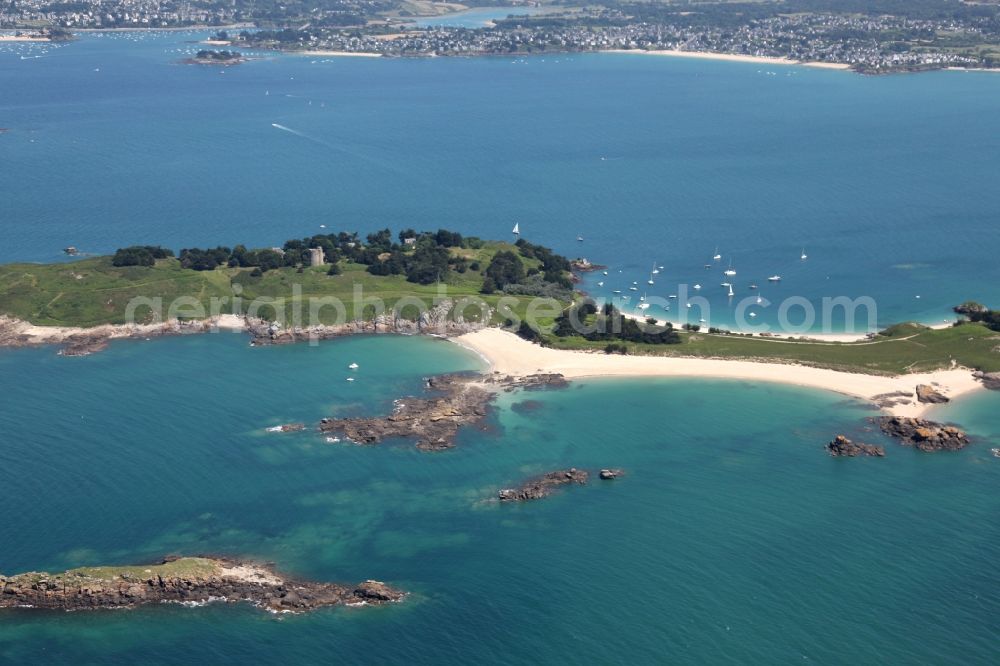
542,486
924,435
841,446
434,421
184,580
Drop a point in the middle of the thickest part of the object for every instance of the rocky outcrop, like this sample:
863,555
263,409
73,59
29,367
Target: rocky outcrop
542,486
930,395
434,421
990,380
439,320
841,446
189,580
610,474
583,265
922,434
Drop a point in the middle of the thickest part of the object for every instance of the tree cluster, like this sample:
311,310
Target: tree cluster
140,255
977,312
584,320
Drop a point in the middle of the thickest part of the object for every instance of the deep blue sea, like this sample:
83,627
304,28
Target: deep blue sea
887,183
733,538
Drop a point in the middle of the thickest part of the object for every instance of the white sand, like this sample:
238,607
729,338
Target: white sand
732,57
338,54
23,38
826,65
509,354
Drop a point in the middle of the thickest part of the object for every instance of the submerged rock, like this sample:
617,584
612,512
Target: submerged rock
608,474
543,485
288,427
841,446
186,579
924,435
928,394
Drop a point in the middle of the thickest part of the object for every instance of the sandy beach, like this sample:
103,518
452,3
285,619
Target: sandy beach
731,57
826,65
509,354
337,54
23,38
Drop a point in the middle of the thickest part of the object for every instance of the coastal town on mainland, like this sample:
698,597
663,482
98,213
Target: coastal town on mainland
875,40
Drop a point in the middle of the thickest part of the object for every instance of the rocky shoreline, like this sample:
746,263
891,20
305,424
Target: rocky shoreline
85,341
77,341
193,580
432,322
434,421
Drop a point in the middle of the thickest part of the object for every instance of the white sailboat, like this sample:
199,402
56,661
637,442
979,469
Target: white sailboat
774,278
730,271
717,256
759,299
730,290
697,286
804,255
517,229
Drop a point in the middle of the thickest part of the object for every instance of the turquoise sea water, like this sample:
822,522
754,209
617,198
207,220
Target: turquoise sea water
886,182
733,539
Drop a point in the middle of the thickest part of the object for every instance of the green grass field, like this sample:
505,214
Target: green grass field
185,567
917,349
91,292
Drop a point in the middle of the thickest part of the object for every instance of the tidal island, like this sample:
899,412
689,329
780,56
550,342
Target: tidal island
83,303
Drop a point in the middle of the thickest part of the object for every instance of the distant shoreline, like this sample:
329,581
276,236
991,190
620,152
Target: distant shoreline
732,57
23,38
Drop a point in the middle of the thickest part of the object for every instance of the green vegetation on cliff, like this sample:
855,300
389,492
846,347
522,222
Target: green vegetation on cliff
184,567
425,266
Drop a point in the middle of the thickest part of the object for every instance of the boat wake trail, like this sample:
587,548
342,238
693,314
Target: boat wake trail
295,132
381,164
